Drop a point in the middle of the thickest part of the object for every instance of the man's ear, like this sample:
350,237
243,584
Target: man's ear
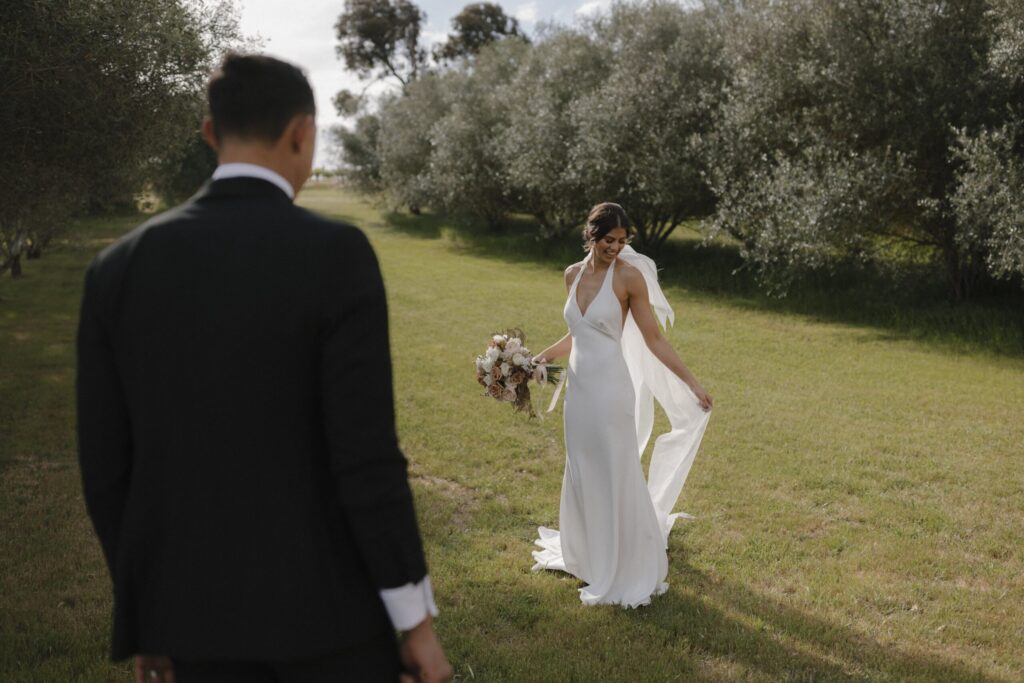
209,135
298,130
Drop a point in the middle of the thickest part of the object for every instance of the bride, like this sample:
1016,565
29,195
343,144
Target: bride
614,525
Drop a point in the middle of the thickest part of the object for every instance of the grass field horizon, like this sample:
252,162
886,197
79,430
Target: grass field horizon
858,497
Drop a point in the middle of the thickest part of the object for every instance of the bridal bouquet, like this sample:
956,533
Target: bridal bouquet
506,367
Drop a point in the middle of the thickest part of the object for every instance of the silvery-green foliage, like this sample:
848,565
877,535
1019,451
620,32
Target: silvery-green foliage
535,146
640,134
466,170
97,99
615,110
1008,51
404,144
809,210
865,79
356,148
989,199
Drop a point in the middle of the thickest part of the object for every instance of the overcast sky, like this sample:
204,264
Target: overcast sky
303,33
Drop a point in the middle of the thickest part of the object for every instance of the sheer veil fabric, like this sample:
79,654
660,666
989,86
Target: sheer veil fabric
614,525
676,449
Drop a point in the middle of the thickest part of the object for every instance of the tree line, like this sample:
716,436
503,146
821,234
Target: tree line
811,132
100,99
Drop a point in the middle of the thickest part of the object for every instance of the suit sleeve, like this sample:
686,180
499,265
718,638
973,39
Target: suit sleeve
368,467
104,434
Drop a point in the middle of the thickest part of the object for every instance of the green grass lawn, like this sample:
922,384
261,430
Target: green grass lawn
859,497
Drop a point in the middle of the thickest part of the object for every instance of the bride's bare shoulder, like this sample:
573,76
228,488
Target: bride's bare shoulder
570,273
630,274
628,270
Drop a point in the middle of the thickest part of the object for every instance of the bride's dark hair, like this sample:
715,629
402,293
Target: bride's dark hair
603,219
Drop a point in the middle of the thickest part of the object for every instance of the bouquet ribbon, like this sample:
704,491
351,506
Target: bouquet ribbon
558,390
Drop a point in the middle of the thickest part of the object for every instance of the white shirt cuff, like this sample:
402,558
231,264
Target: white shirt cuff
410,604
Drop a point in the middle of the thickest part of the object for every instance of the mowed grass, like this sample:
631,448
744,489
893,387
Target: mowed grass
859,498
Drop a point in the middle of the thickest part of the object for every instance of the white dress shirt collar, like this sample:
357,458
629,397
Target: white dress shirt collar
243,170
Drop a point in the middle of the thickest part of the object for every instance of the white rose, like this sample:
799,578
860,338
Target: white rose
520,360
506,369
514,344
486,365
488,380
507,355
479,362
498,338
493,353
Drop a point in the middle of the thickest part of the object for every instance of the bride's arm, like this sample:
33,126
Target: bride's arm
563,346
560,348
640,306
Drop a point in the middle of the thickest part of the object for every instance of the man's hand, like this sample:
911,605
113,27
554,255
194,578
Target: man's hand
422,656
153,669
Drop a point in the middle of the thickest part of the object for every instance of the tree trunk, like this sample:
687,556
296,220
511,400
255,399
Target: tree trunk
652,234
14,260
41,240
954,276
495,221
964,272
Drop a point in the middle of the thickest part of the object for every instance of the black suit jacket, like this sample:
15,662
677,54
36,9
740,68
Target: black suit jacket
236,431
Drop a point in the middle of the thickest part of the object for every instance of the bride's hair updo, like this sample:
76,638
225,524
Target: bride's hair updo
603,219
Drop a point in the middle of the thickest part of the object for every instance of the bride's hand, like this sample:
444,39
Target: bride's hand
703,397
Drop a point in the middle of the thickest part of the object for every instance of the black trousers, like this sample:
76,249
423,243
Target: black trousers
375,661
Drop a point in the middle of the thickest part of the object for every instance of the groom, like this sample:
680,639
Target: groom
236,427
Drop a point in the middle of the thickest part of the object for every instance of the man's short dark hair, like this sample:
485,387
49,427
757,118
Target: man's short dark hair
253,97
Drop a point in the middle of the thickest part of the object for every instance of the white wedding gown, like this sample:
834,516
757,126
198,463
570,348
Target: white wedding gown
614,525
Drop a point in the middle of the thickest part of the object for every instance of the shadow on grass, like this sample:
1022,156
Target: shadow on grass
791,644
424,226
912,304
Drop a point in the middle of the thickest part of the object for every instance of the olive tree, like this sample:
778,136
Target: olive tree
405,144
96,97
466,172
884,83
357,148
377,39
537,143
640,134
989,200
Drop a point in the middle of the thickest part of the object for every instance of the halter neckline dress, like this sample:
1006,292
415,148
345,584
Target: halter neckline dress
612,534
